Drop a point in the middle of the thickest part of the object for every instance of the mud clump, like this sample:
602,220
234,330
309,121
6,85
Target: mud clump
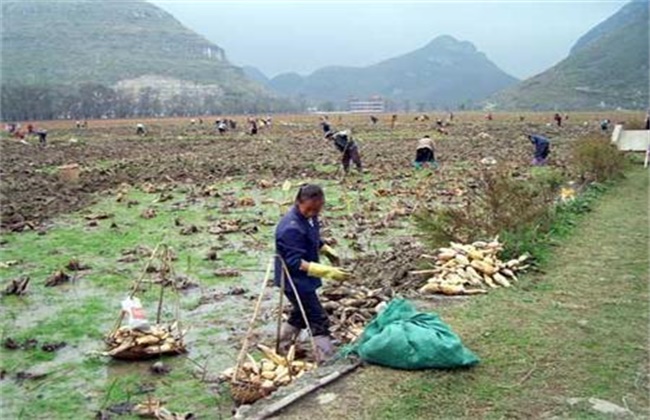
159,368
75,265
57,279
148,213
189,230
52,347
12,344
227,272
17,287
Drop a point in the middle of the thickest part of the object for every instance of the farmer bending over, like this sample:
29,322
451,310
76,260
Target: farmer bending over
324,122
425,153
542,148
348,148
298,245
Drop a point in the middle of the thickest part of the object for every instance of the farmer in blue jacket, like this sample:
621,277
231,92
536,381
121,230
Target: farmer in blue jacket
298,245
542,148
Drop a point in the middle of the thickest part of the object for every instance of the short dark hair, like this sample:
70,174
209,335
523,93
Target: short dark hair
310,192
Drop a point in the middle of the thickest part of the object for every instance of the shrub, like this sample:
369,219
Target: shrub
546,175
501,204
596,159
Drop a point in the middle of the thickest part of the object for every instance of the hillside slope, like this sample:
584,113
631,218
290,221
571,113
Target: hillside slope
125,45
607,68
445,72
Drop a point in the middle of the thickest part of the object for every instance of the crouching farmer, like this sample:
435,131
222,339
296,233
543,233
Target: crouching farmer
542,149
425,153
298,245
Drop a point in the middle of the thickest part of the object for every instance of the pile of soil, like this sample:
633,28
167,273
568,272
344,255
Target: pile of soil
390,269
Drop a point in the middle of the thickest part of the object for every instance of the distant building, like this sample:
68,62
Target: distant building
372,105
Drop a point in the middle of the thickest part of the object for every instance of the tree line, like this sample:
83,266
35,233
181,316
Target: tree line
92,100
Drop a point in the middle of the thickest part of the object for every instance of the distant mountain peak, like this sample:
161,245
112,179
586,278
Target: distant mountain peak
444,72
449,43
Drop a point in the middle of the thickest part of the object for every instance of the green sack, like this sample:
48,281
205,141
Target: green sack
401,337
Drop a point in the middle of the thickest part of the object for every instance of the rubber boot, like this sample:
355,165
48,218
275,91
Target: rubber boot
288,335
324,348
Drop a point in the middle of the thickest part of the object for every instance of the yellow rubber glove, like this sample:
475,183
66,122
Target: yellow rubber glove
331,254
326,271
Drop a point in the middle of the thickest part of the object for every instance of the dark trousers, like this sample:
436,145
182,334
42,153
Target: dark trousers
424,155
316,315
351,154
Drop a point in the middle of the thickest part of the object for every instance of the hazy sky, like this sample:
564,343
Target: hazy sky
521,37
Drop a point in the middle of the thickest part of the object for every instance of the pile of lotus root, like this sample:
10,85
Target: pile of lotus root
257,379
350,307
471,269
134,344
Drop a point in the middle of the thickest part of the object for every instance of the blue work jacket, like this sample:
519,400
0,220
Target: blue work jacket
297,238
542,146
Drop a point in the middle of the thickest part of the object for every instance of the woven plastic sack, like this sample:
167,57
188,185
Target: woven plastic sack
403,338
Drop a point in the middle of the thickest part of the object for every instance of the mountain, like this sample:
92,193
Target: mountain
445,72
125,45
607,67
256,75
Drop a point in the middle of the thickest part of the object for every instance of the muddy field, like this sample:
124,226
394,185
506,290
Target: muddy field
214,200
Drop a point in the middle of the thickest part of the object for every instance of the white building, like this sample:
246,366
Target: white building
372,105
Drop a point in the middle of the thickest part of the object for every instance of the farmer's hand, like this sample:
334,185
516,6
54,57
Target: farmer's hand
326,271
331,255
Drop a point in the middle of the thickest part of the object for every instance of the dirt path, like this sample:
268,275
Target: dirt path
578,331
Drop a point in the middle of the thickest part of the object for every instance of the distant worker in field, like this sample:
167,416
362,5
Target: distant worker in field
14,130
542,148
647,121
349,150
42,136
325,123
39,132
373,120
222,127
558,119
488,116
425,153
451,116
140,129
253,126
393,121
604,124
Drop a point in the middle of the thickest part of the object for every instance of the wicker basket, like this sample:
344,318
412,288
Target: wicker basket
138,353
245,392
